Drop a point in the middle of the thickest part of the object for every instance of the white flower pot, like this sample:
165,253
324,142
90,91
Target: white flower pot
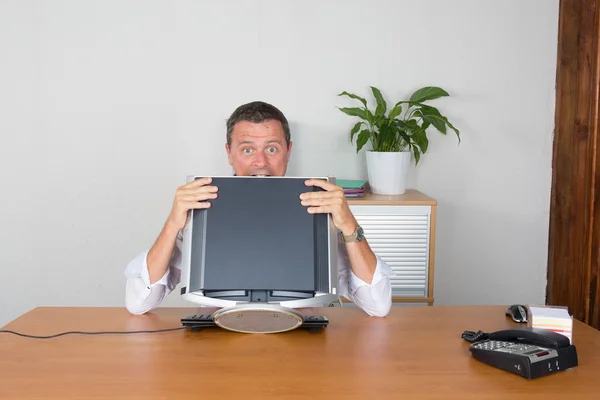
387,171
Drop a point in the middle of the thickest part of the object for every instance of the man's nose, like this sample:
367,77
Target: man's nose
260,159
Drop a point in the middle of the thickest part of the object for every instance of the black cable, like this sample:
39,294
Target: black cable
472,337
90,333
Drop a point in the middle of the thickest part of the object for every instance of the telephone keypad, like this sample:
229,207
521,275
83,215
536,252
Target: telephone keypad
508,347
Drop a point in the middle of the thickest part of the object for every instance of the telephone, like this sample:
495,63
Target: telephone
528,352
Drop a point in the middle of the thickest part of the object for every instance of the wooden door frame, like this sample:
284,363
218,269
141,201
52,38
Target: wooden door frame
574,231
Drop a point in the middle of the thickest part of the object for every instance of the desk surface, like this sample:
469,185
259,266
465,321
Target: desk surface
415,352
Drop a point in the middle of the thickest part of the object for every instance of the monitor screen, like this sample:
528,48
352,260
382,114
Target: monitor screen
257,242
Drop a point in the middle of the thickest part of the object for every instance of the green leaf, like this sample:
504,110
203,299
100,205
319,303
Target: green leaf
363,138
412,125
432,111
416,154
420,137
353,96
386,138
406,137
428,93
452,127
379,121
355,112
381,105
402,132
355,129
369,116
436,121
394,112
401,124
429,110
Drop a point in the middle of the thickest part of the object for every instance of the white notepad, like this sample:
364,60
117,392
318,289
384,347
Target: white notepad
556,319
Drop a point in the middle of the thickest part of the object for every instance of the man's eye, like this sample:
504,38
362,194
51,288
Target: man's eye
247,150
271,149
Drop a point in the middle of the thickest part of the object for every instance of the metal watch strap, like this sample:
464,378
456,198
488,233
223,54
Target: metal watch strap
357,236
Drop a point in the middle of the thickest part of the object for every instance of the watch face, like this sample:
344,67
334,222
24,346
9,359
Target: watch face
355,237
360,234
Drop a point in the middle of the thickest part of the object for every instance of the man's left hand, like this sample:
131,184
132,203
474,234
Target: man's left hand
332,201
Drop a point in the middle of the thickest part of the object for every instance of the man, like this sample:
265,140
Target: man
258,143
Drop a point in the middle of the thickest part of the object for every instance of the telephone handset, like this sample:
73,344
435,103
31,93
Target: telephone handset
529,352
534,336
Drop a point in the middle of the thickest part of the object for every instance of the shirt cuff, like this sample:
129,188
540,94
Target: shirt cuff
382,271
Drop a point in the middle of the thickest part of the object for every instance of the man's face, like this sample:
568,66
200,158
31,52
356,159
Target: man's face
258,149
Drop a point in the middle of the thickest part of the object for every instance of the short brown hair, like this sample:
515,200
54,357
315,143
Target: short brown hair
257,112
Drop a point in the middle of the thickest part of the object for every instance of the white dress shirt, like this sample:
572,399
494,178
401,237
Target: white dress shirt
142,296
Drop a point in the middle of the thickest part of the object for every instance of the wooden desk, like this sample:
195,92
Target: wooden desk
415,352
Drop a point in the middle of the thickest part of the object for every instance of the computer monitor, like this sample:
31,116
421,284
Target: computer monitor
257,243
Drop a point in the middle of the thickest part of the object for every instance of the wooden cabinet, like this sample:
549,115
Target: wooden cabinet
401,231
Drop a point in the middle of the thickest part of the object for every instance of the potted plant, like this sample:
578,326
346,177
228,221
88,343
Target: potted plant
395,136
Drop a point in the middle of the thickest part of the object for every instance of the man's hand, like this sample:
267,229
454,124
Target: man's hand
332,201
191,196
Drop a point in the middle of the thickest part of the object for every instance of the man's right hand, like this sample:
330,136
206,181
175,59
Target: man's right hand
193,195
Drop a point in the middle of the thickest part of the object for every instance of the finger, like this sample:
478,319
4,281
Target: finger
198,197
323,184
321,195
195,205
198,182
332,201
201,189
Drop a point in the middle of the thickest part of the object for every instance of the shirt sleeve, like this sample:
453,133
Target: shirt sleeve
142,296
374,298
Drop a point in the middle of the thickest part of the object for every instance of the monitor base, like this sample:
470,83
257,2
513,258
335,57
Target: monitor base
256,318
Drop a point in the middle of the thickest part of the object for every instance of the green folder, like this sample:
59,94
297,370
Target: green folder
350,183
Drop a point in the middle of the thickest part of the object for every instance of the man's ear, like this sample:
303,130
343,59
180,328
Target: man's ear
228,150
289,150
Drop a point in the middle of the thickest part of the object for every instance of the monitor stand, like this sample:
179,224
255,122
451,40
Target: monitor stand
256,318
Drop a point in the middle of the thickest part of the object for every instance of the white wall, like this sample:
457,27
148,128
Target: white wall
105,107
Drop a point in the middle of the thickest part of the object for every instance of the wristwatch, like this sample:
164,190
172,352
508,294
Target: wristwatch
357,236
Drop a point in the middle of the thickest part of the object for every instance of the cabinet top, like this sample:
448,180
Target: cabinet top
411,197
